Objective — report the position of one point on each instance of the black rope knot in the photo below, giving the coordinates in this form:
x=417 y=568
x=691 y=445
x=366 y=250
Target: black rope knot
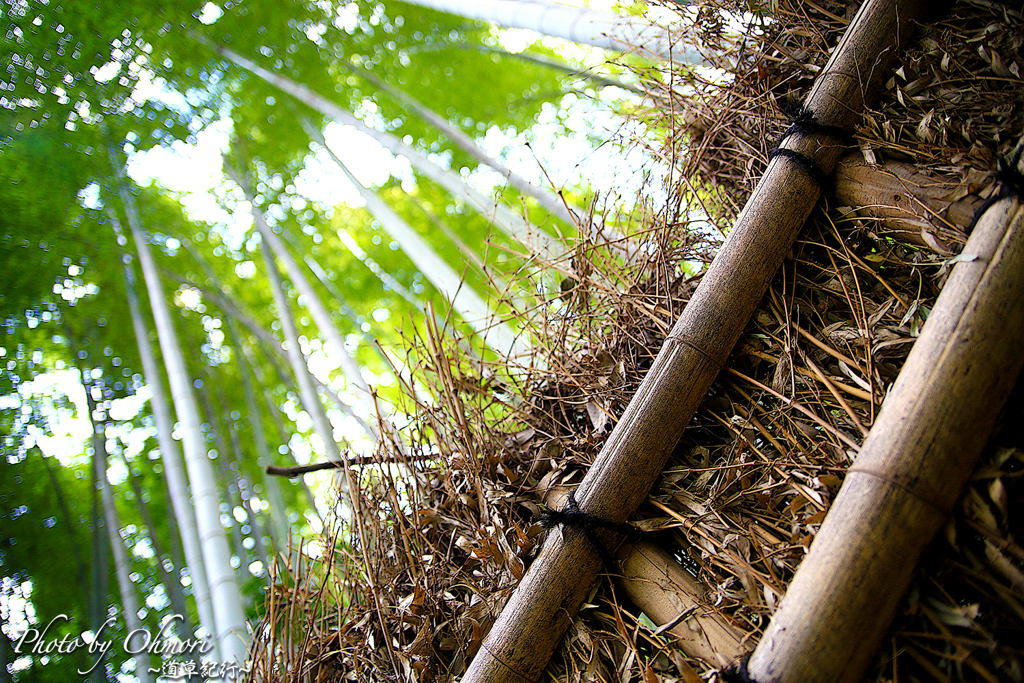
x=571 y=516
x=737 y=673
x=802 y=120
x=1011 y=184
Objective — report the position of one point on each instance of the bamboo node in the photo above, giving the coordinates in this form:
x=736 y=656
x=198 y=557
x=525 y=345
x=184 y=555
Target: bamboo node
x=683 y=339
x=493 y=655
x=942 y=510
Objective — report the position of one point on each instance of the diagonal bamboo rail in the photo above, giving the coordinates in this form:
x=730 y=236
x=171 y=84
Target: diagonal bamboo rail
x=532 y=623
x=910 y=470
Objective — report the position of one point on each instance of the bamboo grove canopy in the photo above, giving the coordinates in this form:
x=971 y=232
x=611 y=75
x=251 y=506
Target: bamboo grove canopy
x=267 y=322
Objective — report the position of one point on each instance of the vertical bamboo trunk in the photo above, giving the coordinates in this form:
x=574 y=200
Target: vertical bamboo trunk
x=494 y=211
x=122 y=567
x=226 y=478
x=231 y=634
x=551 y=202
x=580 y=25
x=283 y=437
x=270 y=344
x=307 y=391
x=69 y=526
x=170 y=456
x=169 y=578
x=244 y=490
x=537 y=615
x=100 y=566
x=911 y=469
x=321 y=316
x=278 y=512
x=470 y=306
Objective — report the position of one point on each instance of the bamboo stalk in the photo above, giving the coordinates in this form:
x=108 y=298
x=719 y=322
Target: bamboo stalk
x=672 y=598
x=910 y=470
x=537 y=615
x=676 y=602
x=912 y=207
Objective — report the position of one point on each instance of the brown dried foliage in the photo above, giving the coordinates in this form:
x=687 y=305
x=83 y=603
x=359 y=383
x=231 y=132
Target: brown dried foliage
x=412 y=584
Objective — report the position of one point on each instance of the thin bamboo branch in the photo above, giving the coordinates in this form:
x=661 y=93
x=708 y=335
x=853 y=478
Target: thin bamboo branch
x=356 y=460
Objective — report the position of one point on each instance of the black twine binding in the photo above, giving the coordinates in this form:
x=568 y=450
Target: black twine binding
x=802 y=120
x=737 y=673
x=571 y=516
x=806 y=163
x=1011 y=184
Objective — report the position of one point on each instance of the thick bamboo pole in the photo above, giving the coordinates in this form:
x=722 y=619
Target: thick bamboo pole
x=911 y=469
x=537 y=615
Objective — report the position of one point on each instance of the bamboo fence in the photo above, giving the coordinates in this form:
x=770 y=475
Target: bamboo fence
x=540 y=610
x=450 y=527
x=912 y=468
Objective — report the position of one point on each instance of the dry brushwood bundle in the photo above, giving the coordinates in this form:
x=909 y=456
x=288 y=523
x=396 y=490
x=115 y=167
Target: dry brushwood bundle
x=914 y=464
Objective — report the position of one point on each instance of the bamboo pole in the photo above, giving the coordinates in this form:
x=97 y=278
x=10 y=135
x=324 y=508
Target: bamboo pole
x=911 y=206
x=541 y=609
x=676 y=602
x=672 y=598
x=911 y=469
